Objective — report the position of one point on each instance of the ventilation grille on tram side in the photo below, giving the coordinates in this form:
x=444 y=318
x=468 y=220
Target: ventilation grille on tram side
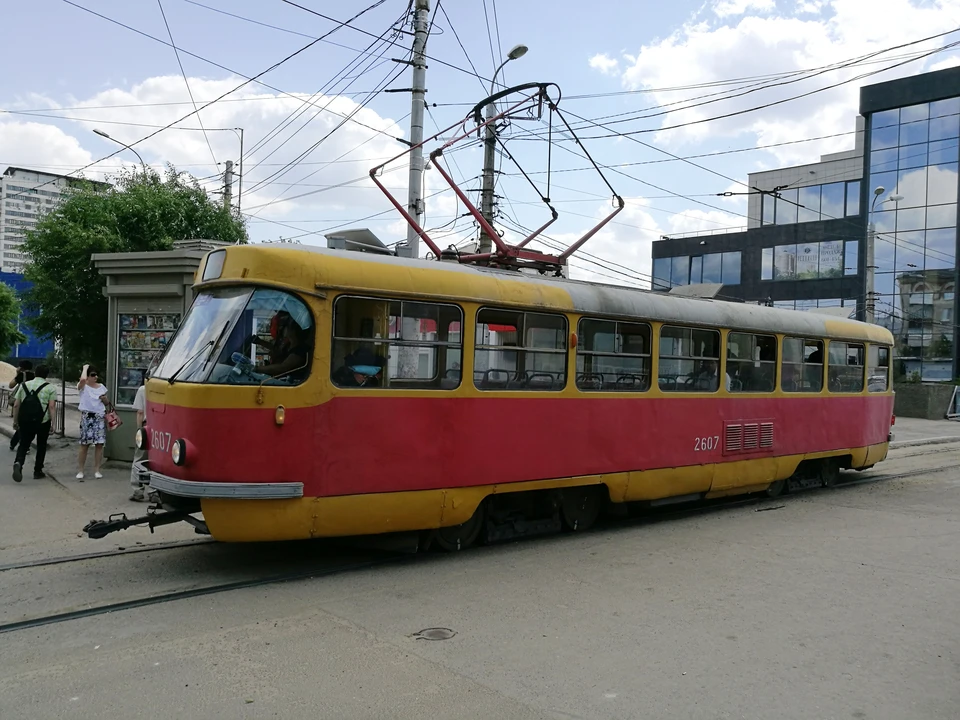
x=747 y=437
x=734 y=438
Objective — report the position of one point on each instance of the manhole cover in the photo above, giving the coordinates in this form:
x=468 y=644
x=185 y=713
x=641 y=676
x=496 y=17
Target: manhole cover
x=435 y=634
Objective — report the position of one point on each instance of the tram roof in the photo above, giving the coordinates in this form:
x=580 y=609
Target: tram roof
x=367 y=272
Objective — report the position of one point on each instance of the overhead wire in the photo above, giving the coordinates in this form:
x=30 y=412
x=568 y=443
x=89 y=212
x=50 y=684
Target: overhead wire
x=774 y=103
x=248 y=79
x=229 y=92
x=186 y=82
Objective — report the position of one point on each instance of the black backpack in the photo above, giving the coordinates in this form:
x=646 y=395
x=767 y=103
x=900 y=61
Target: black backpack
x=31 y=410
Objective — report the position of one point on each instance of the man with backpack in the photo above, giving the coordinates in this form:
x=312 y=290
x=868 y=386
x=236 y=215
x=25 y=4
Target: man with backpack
x=33 y=410
x=24 y=373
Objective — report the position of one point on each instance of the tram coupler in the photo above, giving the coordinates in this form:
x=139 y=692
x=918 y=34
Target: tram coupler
x=96 y=529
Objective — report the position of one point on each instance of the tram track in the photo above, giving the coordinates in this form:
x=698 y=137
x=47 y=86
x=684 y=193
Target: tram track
x=80 y=557
x=363 y=559
x=189 y=593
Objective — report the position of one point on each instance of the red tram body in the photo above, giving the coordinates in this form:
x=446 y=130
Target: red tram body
x=471 y=394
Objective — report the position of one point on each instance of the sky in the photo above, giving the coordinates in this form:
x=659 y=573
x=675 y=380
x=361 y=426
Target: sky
x=676 y=102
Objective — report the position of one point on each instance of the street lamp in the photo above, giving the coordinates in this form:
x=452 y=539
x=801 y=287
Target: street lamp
x=489 y=152
x=870 y=305
x=101 y=133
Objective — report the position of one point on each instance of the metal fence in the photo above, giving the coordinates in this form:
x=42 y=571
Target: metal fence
x=56 y=424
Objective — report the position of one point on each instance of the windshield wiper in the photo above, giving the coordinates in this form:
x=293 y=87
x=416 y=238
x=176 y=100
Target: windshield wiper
x=193 y=357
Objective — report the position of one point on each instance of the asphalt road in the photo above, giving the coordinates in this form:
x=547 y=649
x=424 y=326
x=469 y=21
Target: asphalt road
x=839 y=603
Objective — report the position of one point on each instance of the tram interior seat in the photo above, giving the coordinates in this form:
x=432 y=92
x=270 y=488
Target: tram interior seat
x=450 y=380
x=500 y=379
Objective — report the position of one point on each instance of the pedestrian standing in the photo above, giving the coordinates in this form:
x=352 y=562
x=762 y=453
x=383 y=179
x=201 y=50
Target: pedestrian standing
x=24 y=373
x=93 y=429
x=33 y=408
x=140 y=493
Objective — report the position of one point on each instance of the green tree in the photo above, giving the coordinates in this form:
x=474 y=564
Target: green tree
x=10 y=333
x=141 y=212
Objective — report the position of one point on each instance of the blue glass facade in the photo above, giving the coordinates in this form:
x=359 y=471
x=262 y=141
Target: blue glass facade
x=34 y=348
x=911 y=162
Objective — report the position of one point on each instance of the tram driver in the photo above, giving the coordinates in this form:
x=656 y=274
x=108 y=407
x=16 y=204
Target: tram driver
x=295 y=350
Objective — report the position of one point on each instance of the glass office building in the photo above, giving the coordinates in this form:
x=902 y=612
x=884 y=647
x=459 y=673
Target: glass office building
x=807 y=245
x=911 y=200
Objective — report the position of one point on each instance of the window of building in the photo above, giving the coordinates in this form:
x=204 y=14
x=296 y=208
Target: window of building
x=766 y=264
x=751 y=362
x=787 y=206
x=802 y=368
x=809 y=200
x=661 y=273
x=679 y=271
x=613 y=356
x=878 y=370
x=851 y=257
x=396 y=344
x=769 y=204
x=853 y=198
x=689 y=359
x=805 y=261
x=520 y=351
x=845 y=370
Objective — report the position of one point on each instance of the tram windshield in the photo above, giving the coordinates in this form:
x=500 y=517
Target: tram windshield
x=241 y=336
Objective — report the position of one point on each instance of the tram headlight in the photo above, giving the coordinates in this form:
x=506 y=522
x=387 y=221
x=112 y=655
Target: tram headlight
x=178 y=452
x=140 y=438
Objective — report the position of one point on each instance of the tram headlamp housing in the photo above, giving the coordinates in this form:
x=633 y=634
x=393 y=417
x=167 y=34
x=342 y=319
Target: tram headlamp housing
x=140 y=438
x=178 y=452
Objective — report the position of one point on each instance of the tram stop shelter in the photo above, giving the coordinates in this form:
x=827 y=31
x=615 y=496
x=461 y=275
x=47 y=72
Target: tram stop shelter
x=148 y=294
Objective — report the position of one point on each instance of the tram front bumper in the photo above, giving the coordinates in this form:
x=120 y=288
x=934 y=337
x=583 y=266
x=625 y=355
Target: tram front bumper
x=196 y=489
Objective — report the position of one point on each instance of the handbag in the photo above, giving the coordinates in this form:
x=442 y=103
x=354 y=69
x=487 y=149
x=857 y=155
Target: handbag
x=111 y=418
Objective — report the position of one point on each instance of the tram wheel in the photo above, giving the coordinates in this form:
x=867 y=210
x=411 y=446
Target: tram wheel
x=829 y=472
x=776 y=488
x=580 y=507
x=460 y=537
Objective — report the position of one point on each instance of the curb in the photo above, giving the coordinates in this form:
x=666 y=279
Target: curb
x=925 y=441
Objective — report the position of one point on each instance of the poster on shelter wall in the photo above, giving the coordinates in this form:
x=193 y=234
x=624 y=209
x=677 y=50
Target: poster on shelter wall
x=808 y=258
x=831 y=259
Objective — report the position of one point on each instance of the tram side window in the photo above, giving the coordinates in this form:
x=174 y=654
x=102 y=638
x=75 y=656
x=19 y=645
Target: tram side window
x=396 y=344
x=845 y=369
x=520 y=350
x=752 y=362
x=802 y=369
x=878 y=369
x=689 y=360
x=613 y=356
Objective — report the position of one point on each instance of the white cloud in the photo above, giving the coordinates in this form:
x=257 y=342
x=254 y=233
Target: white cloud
x=725 y=8
x=783 y=41
x=346 y=156
x=29 y=144
x=605 y=64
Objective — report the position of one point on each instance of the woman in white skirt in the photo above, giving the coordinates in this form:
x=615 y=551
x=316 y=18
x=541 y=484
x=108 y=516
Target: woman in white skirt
x=93 y=429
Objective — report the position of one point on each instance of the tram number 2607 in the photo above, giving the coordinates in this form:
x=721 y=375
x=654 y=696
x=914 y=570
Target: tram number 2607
x=710 y=442
x=160 y=441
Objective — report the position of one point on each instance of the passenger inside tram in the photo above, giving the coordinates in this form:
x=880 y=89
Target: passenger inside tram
x=361 y=368
x=709 y=379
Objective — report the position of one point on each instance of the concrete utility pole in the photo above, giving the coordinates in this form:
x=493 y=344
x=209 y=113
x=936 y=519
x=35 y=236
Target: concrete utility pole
x=228 y=185
x=421 y=25
x=490 y=153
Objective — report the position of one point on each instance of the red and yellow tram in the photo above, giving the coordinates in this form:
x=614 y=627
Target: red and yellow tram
x=435 y=396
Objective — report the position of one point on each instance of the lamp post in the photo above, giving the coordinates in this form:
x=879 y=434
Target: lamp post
x=490 y=151
x=101 y=133
x=870 y=304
